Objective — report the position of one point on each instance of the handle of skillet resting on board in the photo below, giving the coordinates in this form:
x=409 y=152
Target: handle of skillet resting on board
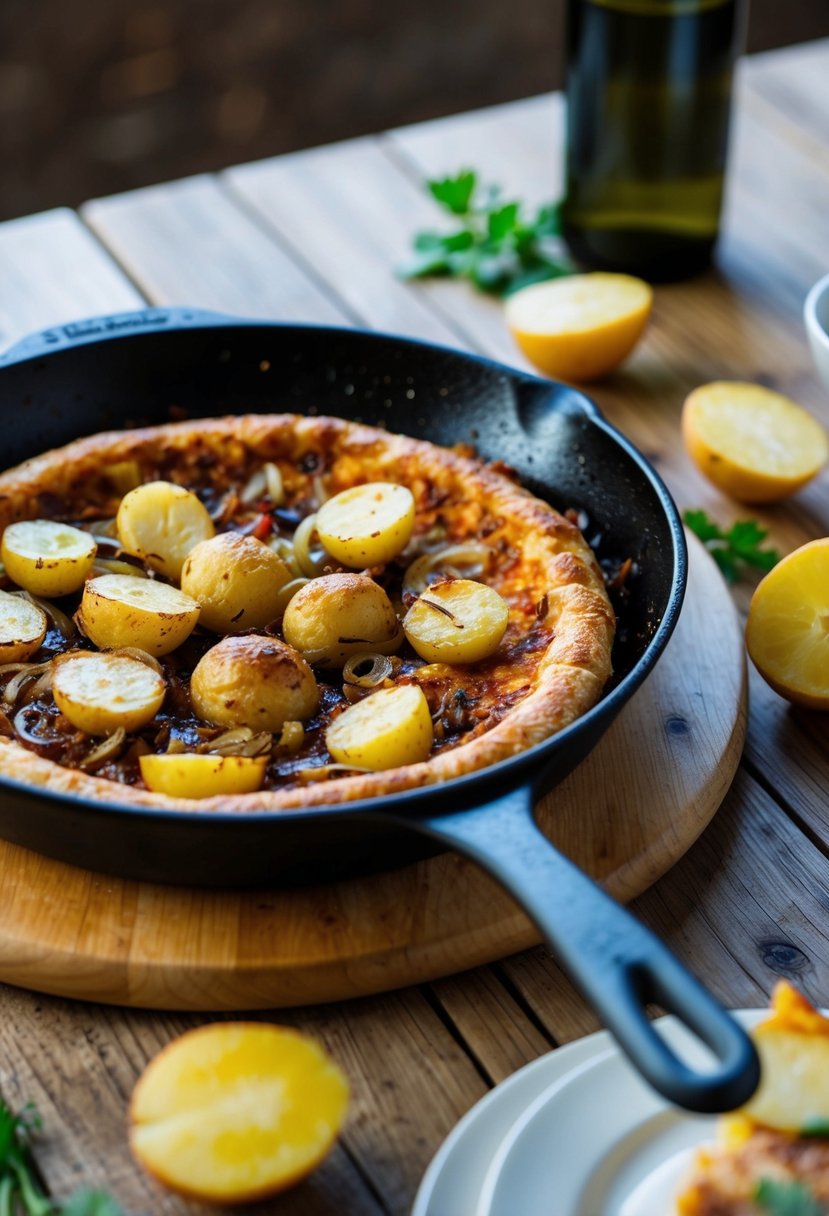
x=617 y=963
x=114 y=325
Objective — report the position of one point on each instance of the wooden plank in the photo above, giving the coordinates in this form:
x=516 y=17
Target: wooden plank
x=52 y=271
x=744 y=906
x=187 y=243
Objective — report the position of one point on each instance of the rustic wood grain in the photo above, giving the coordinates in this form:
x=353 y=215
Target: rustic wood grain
x=52 y=271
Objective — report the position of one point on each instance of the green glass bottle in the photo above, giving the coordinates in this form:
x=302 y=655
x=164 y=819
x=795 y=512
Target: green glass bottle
x=648 y=96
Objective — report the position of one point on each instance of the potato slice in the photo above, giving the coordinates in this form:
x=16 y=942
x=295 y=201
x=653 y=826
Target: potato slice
x=338 y=615
x=367 y=525
x=99 y=693
x=120 y=610
x=232 y=1112
x=22 y=628
x=192 y=776
x=47 y=558
x=161 y=522
x=237 y=580
x=253 y=681
x=389 y=728
x=793 y=1094
x=457 y=622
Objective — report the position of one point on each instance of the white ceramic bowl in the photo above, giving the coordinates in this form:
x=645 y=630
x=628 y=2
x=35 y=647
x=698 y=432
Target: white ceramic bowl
x=816 y=316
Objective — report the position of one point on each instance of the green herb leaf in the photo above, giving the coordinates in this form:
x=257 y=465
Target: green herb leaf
x=818 y=1128
x=455 y=193
x=90 y=1203
x=736 y=548
x=496 y=248
x=786 y=1199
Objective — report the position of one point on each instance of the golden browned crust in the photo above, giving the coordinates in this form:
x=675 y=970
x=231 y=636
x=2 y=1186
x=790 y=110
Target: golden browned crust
x=554 y=566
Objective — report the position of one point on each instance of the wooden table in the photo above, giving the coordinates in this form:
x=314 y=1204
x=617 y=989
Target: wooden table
x=314 y=237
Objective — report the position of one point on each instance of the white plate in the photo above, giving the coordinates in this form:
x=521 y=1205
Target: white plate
x=453 y=1181
x=598 y=1142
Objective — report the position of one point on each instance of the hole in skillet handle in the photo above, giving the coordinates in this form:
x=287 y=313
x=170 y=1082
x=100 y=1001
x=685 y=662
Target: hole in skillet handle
x=618 y=964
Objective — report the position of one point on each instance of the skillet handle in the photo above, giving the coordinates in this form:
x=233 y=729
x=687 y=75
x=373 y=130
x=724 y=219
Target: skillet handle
x=618 y=964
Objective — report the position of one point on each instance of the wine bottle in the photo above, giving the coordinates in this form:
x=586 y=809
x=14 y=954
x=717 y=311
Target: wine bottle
x=648 y=96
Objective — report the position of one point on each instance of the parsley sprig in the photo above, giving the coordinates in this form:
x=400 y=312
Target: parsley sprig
x=493 y=244
x=20 y=1192
x=786 y=1199
x=735 y=549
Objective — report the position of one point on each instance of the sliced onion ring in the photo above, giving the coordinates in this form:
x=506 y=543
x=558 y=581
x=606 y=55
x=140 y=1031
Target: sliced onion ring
x=107 y=750
x=379 y=669
x=471 y=559
x=310 y=564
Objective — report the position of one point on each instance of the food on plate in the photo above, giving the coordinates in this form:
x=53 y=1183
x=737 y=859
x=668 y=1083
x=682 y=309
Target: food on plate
x=256 y=681
x=390 y=728
x=23 y=628
x=455 y=621
x=123 y=610
x=103 y=693
x=582 y=326
x=47 y=558
x=787 y=633
x=237 y=581
x=338 y=615
x=367 y=525
x=776 y=1148
x=753 y=443
x=161 y=523
x=189 y=775
x=236 y=1111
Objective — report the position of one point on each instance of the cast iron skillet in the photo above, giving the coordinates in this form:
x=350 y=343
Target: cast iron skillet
x=154 y=365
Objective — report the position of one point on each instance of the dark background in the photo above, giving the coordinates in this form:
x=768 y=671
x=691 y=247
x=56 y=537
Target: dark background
x=99 y=96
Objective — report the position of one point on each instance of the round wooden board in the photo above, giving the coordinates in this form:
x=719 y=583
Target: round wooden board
x=626 y=815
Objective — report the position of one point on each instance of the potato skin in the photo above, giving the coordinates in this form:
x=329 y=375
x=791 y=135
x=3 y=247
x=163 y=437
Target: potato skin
x=202 y=776
x=253 y=681
x=121 y=611
x=237 y=581
x=337 y=614
x=33 y=560
x=22 y=628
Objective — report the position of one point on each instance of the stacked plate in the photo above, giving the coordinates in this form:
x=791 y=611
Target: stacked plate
x=576 y=1133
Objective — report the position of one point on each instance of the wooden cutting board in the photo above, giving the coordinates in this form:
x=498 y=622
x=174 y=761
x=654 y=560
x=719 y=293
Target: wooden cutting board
x=626 y=815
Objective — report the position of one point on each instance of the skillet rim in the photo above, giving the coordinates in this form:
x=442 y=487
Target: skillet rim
x=525 y=767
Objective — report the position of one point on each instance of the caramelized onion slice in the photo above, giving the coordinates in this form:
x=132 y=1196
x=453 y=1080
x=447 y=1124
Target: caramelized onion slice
x=367 y=670
x=468 y=560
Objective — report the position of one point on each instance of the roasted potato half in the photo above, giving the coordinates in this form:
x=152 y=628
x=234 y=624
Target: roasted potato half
x=99 y=693
x=389 y=728
x=47 y=558
x=120 y=610
x=237 y=580
x=161 y=523
x=253 y=681
x=457 y=622
x=22 y=628
x=338 y=615
x=195 y=776
x=367 y=525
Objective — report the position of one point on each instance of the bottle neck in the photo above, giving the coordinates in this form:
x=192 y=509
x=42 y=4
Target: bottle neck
x=661 y=8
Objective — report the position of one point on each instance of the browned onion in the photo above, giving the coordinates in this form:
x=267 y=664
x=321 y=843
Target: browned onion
x=379 y=669
x=292 y=736
x=25 y=672
x=469 y=560
x=107 y=750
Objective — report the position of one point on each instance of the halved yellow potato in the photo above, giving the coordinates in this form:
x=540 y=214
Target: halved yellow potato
x=389 y=728
x=232 y=1112
x=237 y=580
x=161 y=522
x=195 y=776
x=338 y=615
x=47 y=558
x=22 y=628
x=99 y=693
x=367 y=525
x=457 y=622
x=253 y=681
x=121 y=610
